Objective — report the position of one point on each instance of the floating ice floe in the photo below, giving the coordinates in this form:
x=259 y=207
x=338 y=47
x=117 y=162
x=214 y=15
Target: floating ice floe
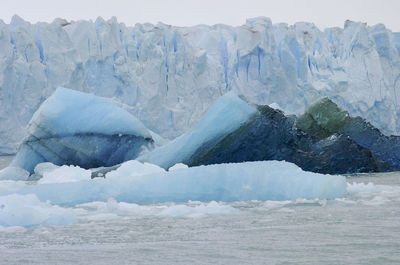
x=135 y=182
x=28 y=210
x=137 y=189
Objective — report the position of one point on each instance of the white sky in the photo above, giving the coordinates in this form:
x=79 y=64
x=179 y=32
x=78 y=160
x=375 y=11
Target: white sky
x=324 y=13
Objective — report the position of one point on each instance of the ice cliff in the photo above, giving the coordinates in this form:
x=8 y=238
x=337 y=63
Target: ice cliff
x=169 y=76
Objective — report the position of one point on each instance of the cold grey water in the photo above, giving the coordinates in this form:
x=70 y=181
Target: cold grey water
x=361 y=228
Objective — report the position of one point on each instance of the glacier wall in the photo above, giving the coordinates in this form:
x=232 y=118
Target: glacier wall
x=168 y=76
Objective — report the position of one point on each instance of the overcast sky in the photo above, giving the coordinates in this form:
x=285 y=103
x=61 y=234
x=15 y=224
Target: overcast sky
x=324 y=13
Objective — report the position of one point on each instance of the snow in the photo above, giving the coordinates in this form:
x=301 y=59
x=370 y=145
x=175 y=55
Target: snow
x=135 y=182
x=72 y=127
x=227 y=114
x=169 y=76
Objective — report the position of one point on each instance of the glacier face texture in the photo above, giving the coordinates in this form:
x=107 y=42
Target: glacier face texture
x=77 y=128
x=168 y=76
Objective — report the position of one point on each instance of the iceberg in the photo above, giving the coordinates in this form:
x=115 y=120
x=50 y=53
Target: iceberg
x=169 y=76
x=273 y=136
x=324 y=119
x=226 y=115
x=75 y=128
x=235 y=131
x=135 y=182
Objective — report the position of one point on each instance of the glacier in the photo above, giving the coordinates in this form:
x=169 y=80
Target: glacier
x=168 y=76
x=77 y=128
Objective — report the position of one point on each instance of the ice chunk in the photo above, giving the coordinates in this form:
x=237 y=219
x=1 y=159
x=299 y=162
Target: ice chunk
x=65 y=174
x=27 y=210
x=72 y=127
x=266 y=180
x=42 y=168
x=227 y=114
x=13 y=173
x=178 y=166
x=135 y=168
